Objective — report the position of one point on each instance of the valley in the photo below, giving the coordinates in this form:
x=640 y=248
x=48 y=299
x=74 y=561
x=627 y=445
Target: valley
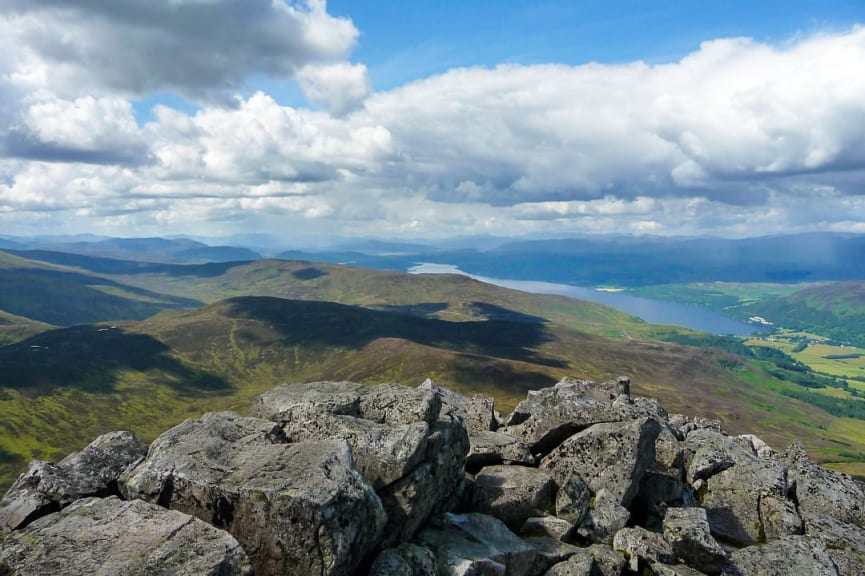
x=225 y=332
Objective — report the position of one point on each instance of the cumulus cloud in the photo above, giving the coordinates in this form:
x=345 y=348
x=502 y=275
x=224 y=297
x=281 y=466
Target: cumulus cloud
x=204 y=49
x=736 y=138
x=340 y=88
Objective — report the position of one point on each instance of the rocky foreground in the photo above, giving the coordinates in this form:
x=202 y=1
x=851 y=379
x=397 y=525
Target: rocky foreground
x=338 y=478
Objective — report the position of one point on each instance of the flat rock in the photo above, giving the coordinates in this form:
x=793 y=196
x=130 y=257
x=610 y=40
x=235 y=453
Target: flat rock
x=109 y=536
x=491 y=448
x=300 y=507
x=513 y=494
x=384 y=403
x=799 y=555
x=47 y=487
x=383 y=452
x=466 y=544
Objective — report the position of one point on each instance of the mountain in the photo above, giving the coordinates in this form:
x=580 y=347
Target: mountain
x=63 y=386
x=63 y=296
x=835 y=310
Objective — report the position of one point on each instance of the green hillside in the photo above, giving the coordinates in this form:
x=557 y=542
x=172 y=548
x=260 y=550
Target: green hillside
x=64 y=386
x=835 y=310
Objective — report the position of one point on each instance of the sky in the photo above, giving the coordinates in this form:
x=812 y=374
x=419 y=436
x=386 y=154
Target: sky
x=430 y=120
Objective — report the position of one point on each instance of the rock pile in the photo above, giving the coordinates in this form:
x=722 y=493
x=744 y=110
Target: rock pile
x=338 y=478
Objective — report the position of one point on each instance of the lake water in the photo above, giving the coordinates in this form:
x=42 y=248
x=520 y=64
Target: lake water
x=652 y=311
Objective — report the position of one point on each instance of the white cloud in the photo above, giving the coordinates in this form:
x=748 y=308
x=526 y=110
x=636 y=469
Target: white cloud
x=340 y=88
x=736 y=138
x=205 y=50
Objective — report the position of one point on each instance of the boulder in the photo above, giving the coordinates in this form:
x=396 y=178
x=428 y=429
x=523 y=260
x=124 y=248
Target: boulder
x=300 y=507
x=580 y=564
x=708 y=453
x=477 y=411
x=687 y=531
x=572 y=499
x=513 y=494
x=550 y=415
x=549 y=552
x=432 y=487
x=547 y=526
x=613 y=456
x=824 y=492
x=384 y=403
x=662 y=484
x=608 y=562
x=799 y=555
x=491 y=448
x=778 y=517
x=383 y=452
x=603 y=519
x=109 y=536
x=405 y=560
x=47 y=487
x=469 y=544
x=837 y=535
x=642 y=548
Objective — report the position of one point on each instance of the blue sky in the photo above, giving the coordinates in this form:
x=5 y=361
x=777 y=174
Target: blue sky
x=402 y=41
x=431 y=119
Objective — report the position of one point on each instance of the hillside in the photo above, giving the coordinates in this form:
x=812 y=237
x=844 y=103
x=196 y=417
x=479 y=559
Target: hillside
x=835 y=310
x=63 y=386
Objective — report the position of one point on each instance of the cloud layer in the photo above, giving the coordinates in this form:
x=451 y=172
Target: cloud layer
x=736 y=138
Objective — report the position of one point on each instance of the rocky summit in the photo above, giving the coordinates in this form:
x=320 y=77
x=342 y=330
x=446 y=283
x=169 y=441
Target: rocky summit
x=339 y=478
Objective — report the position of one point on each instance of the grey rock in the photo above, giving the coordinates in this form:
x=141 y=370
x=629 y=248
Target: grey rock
x=46 y=487
x=513 y=494
x=491 y=448
x=604 y=518
x=383 y=452
x=684 y=425
x=799 y=555
x=836 y=534
x=612 y=456
x=384 y=403
x=432 y=487
x=547 y=526
x=109 y=536
x=467 y=544
x=824 y=492
x=662 y=484
x=687 y=531
x=301 y=507
x=549 y=552
x=674 y=570
x=758 y=448
x=608 y=562
x=778 y=517
x=638 y=544
x=580 y=564
x=338 y=398
x=477 y=411
x=708 y=453
x=572 y=499
x=550 y=415
x=732 y=499
x=405 y=560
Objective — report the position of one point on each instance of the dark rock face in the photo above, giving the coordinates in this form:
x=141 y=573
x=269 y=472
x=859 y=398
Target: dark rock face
x=133 y=538
x=47 y=487
x=341 y=478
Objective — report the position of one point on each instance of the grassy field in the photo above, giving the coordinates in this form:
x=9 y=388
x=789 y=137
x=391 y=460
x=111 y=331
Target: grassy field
x=718 y=295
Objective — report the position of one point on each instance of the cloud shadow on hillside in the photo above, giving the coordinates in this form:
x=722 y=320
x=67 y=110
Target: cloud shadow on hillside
x=330 y=324
x=90 y=358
